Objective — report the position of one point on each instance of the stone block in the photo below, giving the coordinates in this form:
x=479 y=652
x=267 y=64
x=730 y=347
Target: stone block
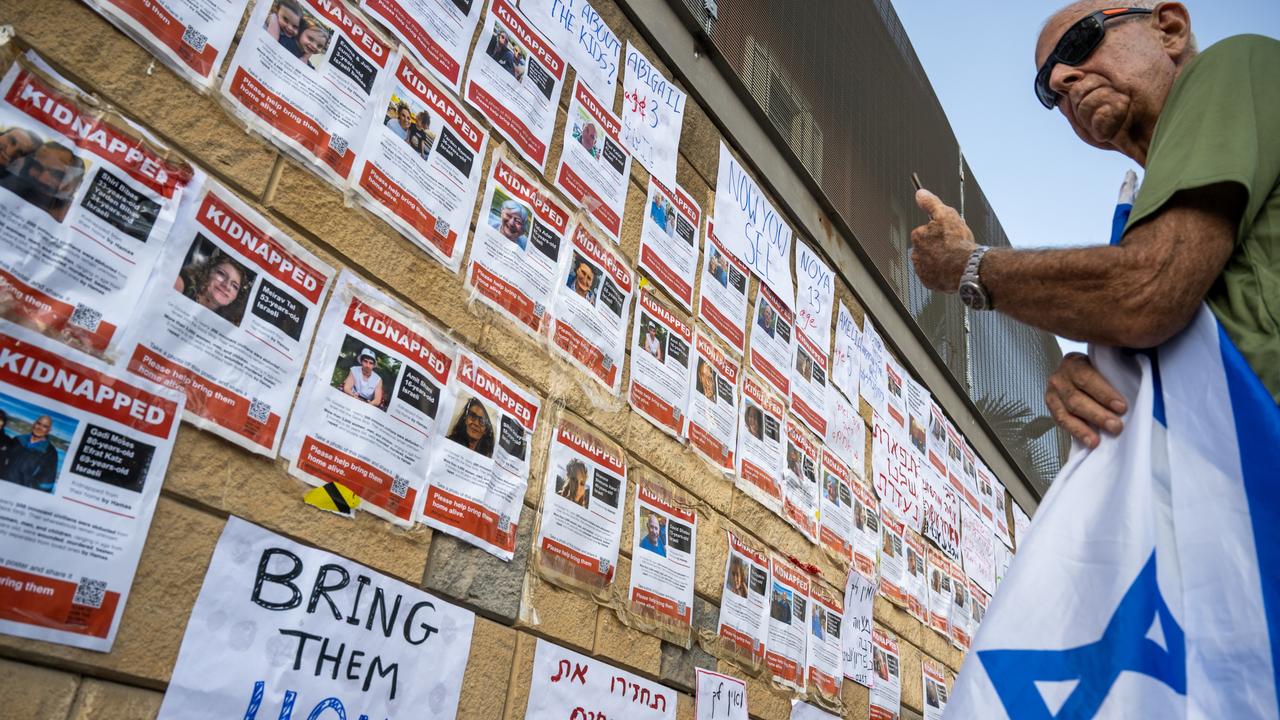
x=684 y=707
x=856 y=699
x=678 y=664
x=910 y=661
x=493 y=648
x=711 y=556
x=521 y=677
x=764 y=702
x=676 y=461
x=102 y=699
x=566 y=617
x=940 y=648
x=32 y=691
x=468 y=575
x=899 y=621
x=626 y=647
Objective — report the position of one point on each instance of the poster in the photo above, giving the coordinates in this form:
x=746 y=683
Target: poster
x=583 y=37
x=567 y=684
x=760 y=443
x=895 y=473
x=886 y=687
x=977 y=549
x=919 y=402
x=661 y=347
x=369 y=410
x=594 y=166
x=824 y=662
x=1001 y=513
x=718 y=697
x=935 y=689
x=190 y=37
x=845 y=357
x=959 y=617
x=771 y=340
x=583 y=499
x=662 y=556
x=895 y=398
x=669 y=241
x=800 y=480
x=311 y=93
x=744 y=605
x=940 y=512
x=835 y=509
x=872 y=386
x=515 y=256
x=420 y=162
x=917 y=593
x=805 y=711
x=515 y=81
x=88 y=451
x=979 y=600
x=893 y=560
x=809 y=385
x=785 y=645
x=1004 y=557
x=652 y=116
x=987 y=492
x=255 y=641
x=939 y=589
x=751 y=228
x=722 y=298
x=866 y=531
x=227 y=318
x=1021 y=525
x=480 y=466
x=846 y=433
x=590 y=307
x=936 y=440
x=437 y=32
x=969 y=475
x=956 y=475
x=712 y=416
x=815 y=292
x=859 y=598
x=94 y=196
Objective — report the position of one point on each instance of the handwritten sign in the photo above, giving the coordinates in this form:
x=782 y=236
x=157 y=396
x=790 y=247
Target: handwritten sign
x=940 y=508
x=652 y=116
x=751 y=228
x=872 y=385
x=1021 y=525
x=570 y=686
x=719 y=697
x=815 y=293
x=846 y=359
x=859 y=596
x=895 y=472
x=846 y=433
x=362 y=645
x=977 y=545
x=588 y=42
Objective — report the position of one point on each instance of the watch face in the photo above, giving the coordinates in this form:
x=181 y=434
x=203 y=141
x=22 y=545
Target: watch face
x=973 y=296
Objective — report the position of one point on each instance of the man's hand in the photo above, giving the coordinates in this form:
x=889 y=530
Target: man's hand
x=940 y=249
x=1082 y=401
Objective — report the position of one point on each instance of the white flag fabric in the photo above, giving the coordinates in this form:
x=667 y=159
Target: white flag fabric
x=1150 y=584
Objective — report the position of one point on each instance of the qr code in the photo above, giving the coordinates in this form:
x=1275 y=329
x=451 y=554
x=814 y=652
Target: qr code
x=538 y=309
x=194 y=38
x=680 y=607
x=89 y=593
x=442 y=227
x=504 y=524
x=605 y=566
x=400 y=486
x=606 y=362
x=86 y=318
x=259 y=410
x=338 y=145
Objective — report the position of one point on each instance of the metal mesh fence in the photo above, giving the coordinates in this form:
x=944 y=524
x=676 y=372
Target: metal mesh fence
x=841 y=85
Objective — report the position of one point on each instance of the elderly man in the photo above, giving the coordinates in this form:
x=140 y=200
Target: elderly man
x=1205 y=225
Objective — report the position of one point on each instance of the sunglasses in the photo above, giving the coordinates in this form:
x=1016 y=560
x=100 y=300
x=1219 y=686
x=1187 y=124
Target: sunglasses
x=1076 y=45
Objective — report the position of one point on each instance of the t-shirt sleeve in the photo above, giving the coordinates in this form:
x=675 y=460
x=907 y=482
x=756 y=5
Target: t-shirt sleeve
x=1219 y=125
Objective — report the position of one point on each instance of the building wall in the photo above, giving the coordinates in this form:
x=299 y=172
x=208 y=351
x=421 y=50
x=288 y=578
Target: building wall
x=209 y=479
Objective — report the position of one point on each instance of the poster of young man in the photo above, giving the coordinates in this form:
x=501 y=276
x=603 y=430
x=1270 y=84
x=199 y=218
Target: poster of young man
x=662 y=557
x=761 y=450
x=189 y=36
x=769 y=352
x=583 y=497
x=956 y=475
x=917 y=593
x=515 y=256
x=786 y=644
x=872 y=385
x=712 y=416
x=809 y=385
x=845 y=357
x=893 y=559
x=420 y=162
x=303 y=76
x=800 y=480
x=375 y=647
x=369 y=408
x=959 y=617
x=594 y=166
x=979 y=600
x=846 y=432
x=86 y=449
x=652 y=115
x=661 y=351
x=563 y=681
x=1001 y=513
x=718 y=697
x=824 y=664
x=722 y=298
x=936 y=440
x=227 y=318
x=835 y=508
x=918 y=403
x=866 y=531
x=859 y=599
x=86 y=204
x=940 y=512
x=969 y=475
x=590 y=307
x=896 y=394
x=986 y=490
x=515 y=81
x=935 y=689
x=669 y=241
x=744 y=605
x=480 y=464
x=938 y=567
x=895 y=472
x=886 y=686
x=437 y=33
x=588 y=43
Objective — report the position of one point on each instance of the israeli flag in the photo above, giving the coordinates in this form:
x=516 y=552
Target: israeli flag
x=1149 y=583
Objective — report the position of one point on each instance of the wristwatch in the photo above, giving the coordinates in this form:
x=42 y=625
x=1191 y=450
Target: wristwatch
x=972 y=292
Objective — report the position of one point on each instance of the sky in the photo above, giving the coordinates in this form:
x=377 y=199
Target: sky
x=1048 y=188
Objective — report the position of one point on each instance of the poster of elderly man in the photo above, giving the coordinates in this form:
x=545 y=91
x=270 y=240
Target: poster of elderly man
x=33 y=443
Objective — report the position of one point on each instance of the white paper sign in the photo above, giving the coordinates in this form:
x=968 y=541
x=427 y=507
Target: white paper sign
x=846 y=433
x=977 y=547
x=582 y=36
x=1021 y=524
x=805 y=711
x=722 y=294
x=871 y=375
x=669 y=241
x=940 y=511
x=590 y=307
x=859 y=597
x=751 y=228
x=845 y=358
x=719 y=697
x=895 y=472
x=437 y=32
x=373 y=646
x=567 y=685
x=886 y=689
x=652 y=116
x=661 y=348
x=935 y=689
x=744 y=610
x=594 y=166
x=815 y=293
x=190 y=36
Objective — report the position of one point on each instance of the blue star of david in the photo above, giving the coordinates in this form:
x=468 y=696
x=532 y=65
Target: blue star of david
x=1123 y=647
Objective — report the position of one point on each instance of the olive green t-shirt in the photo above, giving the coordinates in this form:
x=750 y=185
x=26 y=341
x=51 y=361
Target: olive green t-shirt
x=1221 y=123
